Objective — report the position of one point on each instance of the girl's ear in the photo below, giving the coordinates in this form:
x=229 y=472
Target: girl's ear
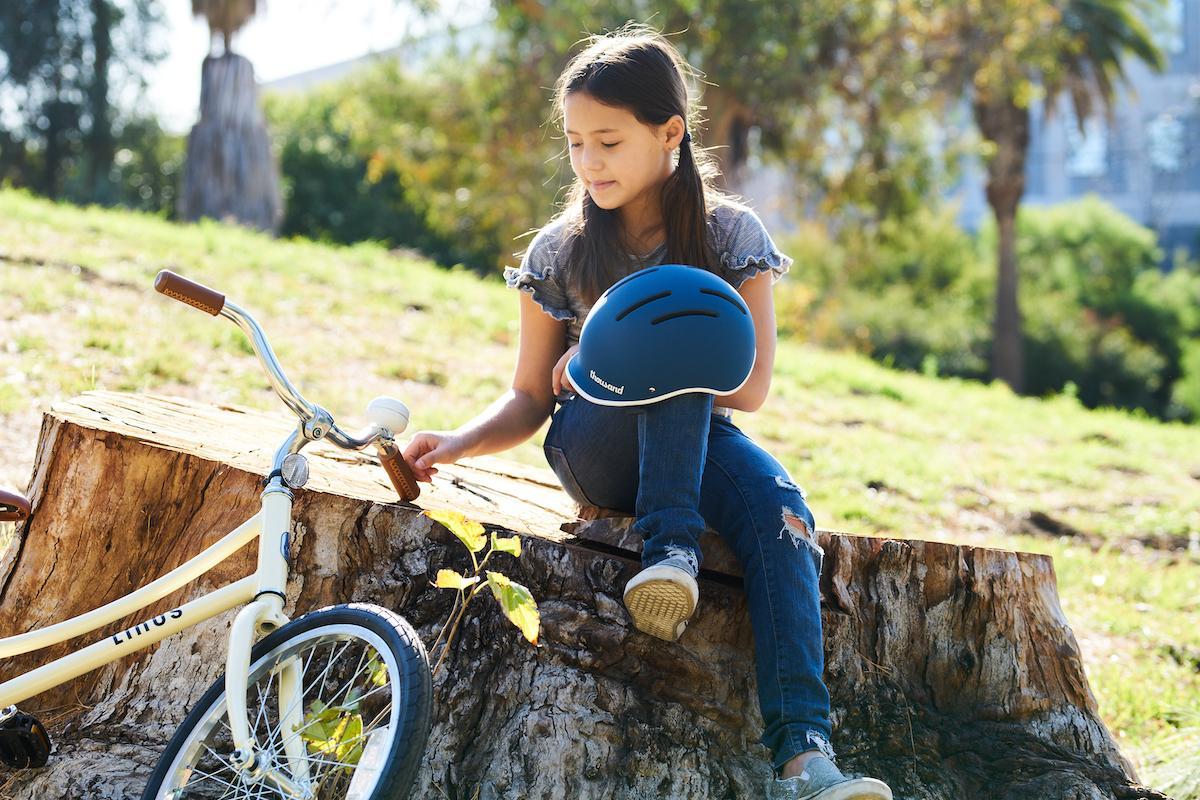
x=672 y=132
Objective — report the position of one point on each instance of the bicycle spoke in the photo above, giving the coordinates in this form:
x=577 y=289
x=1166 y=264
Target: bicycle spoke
x=262 y=704
x=386 y=710
x=345 y=691
x=367 y=728
x=208 y=776
x=276 y=730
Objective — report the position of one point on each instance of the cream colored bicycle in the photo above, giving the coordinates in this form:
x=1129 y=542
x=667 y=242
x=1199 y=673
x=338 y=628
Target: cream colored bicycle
x=334 y=704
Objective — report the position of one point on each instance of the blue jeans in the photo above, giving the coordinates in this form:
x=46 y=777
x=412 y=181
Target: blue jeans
x=679 y=466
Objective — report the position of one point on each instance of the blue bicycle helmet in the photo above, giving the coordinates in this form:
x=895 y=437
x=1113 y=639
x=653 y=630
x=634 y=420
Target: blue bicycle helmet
x=660 y=332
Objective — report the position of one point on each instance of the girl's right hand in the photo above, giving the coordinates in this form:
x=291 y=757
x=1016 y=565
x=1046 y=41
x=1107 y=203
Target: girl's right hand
x=427 y=448
x=559 y=379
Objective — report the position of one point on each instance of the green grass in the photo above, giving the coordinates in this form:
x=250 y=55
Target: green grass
x=879 y=452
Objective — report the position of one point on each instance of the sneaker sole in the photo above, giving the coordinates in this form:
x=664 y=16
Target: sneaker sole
x=660 y=608
x=855 y=789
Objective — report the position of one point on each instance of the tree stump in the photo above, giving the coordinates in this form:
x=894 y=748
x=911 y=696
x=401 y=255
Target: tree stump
x=230 y=172
x=952 y=670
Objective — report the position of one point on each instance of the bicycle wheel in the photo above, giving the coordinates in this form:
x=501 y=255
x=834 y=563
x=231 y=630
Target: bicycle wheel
x=364 y=717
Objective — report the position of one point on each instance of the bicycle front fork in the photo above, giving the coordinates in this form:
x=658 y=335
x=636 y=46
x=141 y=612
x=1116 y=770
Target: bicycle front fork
x=260 y=617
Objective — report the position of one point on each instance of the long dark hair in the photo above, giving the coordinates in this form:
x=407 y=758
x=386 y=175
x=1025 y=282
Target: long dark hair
x=637 y=69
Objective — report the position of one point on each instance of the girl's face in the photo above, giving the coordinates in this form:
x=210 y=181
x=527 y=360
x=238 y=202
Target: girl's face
x=621 y=161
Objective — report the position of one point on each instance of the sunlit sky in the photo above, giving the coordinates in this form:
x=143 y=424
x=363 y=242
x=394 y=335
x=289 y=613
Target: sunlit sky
x=286 y=37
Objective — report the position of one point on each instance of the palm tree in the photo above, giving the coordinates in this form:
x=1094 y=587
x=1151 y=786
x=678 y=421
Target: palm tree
x=225 y=17
x=1076 y=47
x=230 y=172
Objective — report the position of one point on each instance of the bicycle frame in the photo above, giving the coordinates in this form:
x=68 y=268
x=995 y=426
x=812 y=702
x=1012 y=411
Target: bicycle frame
x=262 y=594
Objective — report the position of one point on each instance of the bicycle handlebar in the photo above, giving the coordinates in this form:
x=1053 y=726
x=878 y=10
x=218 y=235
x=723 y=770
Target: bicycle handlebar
x=317 y=423
x=14 y=507
x=194 y=294
x=399 y=473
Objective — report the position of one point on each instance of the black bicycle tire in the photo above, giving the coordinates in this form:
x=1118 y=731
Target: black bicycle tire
x=408 y=747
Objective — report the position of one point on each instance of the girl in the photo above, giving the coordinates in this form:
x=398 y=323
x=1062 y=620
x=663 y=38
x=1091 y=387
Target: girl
x=642 y=197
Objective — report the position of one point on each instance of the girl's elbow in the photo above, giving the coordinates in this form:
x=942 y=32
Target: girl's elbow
x=749 y=398
x=754 y=403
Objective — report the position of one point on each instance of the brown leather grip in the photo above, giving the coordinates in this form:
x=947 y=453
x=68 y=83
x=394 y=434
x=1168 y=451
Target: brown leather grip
x=13 y=507
x=190 y=292
x=401 y=475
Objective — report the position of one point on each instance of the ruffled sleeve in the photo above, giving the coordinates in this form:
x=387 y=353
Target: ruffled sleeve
x=541 y=274
x=747 y=249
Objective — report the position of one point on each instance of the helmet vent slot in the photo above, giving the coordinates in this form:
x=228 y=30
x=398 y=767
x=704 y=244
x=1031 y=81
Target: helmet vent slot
x=726 y=298
x=628 y=278
x=641 y=303
x=678 y=314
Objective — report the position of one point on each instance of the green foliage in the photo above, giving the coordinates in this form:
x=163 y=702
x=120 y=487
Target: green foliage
x=837 y=91
x=461 y=159
x=63 y=63
x=913 y=295
x=434 y=161
x=145 y=171
x=335 y=731
x=1185 y=394
x=329 y=192
x=516 y=601
x=1099 y=311
x=1100 y=317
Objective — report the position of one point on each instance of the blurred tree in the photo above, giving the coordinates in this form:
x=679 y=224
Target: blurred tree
x=229 y=172
x=471 y=133
x=225 y=17
x=786 y=73
x=58 y=59
x=332 y=183
x=1003 y=54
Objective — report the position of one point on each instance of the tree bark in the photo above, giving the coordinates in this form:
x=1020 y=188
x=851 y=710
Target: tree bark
x=230 y=172
x=952 y=670
x=1006 y=125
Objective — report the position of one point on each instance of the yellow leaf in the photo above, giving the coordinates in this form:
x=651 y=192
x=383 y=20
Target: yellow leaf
x=517 y=604
x=468 y=531
x=511 y=544
x=449 y=579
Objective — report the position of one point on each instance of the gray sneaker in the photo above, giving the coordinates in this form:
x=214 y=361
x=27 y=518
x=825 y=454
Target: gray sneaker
x=822 y=780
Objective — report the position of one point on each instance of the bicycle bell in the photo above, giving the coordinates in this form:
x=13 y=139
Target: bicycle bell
x=389 y=413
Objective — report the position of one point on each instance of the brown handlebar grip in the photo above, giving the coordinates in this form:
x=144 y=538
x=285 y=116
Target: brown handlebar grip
x=400 y=473
x=194 y=294
x=13 y=507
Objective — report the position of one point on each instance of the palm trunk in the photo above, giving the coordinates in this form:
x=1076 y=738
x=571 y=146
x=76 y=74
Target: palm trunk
x=1006 y=125
x=230 y=172
x=1008 y=362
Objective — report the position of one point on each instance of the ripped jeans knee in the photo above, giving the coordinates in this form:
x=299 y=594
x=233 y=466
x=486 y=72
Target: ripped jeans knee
x=798 y=525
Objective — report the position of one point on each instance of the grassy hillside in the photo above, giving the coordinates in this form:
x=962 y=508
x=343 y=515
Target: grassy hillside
x=1112 y=497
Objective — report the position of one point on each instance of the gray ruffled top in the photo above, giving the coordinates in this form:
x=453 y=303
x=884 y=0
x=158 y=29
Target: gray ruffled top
x=743 y=247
